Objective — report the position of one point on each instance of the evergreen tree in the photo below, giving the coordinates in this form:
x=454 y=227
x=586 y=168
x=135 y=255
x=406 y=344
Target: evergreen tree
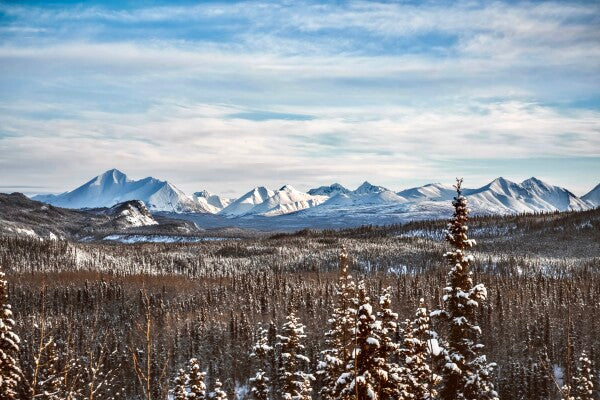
x=339 y=338
x=259 y=386
x=418 y=346
x=196 y=381
x=219 y=393
x=180 y=381
x=389 y=385
x=295 y=383
x=10 y=373
x=466 y=372
x=261 y=352
x=584 y=380
x=360 y=379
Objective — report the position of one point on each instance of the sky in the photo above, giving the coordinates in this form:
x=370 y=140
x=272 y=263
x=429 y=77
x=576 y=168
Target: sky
x=225 y=96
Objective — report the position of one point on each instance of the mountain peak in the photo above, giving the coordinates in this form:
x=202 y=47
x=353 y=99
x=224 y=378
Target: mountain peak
x=367 y=187
x=112 y=175
x=430 y=191
x=501 y=184
x=535 y=182
x=501 y=180
x=593 y=197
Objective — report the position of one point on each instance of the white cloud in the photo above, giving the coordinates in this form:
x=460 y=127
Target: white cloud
x=197 y=146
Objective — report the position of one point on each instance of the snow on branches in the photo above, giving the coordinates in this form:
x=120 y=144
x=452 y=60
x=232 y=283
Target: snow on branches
x=10 y=373
x=466 y=373
x=295 y=383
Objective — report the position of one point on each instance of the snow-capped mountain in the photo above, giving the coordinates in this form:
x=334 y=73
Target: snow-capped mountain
x=114 y=187
x=286 y=200
x=374 y=204
x=593 y=197
x=502 y=196
x=432 y=191
x=212 y=202
x=367 y=188
x=329 y=191
x=364 y=198
x=245 y=203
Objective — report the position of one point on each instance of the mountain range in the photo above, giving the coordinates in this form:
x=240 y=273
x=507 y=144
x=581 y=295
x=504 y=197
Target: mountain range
x=501 y=196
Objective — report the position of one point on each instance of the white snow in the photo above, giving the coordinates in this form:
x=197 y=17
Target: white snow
x=113 y=187
x=160 y=239
x=245 y=203
x=286 y=200
x=593 y=197
x=434 y=347
x=212 y=202
x=328 y=191
x=27 y=232
x=261 y=201
x=133 y=216
x=432 y=191
x=367 y=202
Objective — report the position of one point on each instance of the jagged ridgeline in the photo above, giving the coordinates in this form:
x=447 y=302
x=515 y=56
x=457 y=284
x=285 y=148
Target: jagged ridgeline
x=504 y=309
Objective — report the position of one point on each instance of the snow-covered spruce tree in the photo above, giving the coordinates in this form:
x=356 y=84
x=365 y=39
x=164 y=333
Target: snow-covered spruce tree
x=259 y=384
x=359 y=381
x=389 y=384
x=466 y=374
x=197 y=386
x=295 y=383
x=180 y=389
x=583 y=382
x=339 y=340
x=418 y=375
x=218 y=393
x=10 y=373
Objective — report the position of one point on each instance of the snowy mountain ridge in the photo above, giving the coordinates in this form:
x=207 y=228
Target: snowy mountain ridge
x=593 y=196
x=113 y=187
x=500 y=196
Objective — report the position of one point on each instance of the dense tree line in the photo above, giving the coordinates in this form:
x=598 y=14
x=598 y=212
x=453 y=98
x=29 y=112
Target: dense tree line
x=214 y=319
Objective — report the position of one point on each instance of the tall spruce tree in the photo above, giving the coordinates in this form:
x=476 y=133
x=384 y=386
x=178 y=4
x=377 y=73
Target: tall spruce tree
x=339 y=338
x=180 y=382
x=10 y=373
x=197 y=386
x=389 y=384
x=295 y=383
x=259 y=384
x=359 y=381
x=466 y=372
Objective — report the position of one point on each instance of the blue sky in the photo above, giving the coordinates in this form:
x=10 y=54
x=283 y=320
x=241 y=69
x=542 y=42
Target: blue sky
x=228 y=95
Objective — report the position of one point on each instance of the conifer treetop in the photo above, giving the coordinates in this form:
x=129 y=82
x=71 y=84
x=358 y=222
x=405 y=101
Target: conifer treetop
x=467 y=375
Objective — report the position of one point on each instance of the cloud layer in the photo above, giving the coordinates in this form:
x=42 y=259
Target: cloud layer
x=225 y=96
